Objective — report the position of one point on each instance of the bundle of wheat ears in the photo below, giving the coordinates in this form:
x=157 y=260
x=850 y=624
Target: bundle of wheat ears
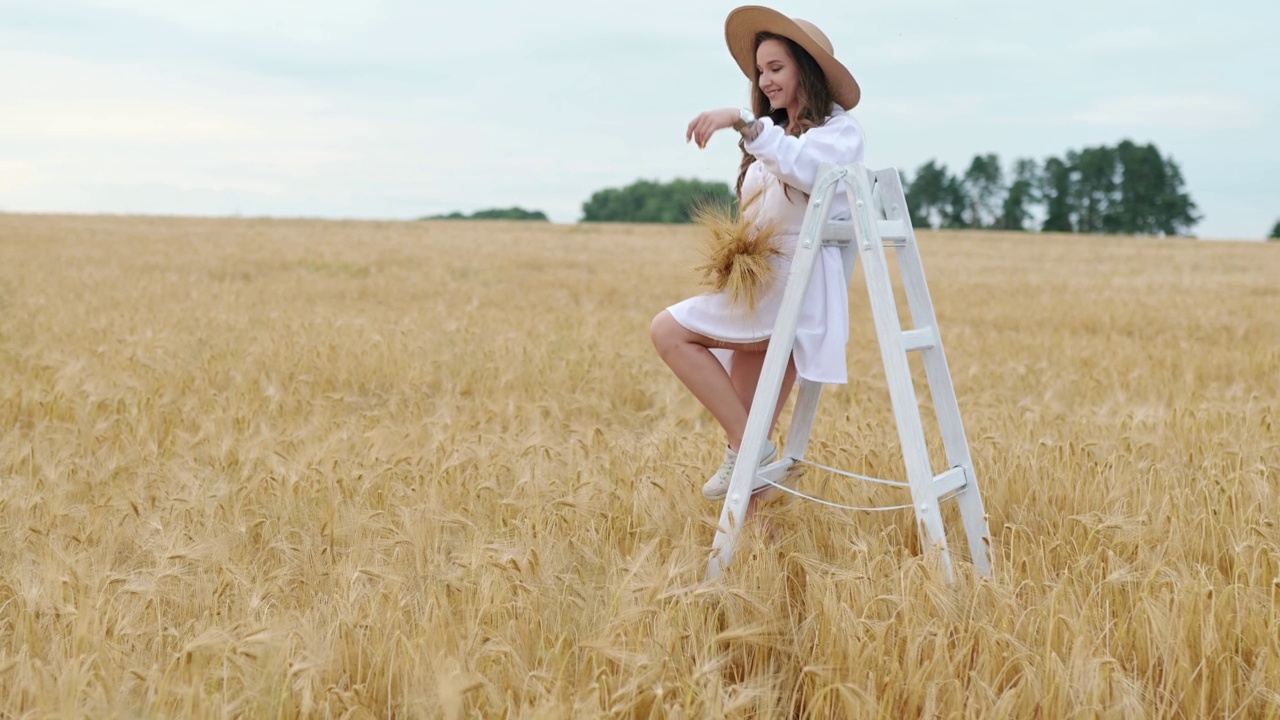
x=737 y=252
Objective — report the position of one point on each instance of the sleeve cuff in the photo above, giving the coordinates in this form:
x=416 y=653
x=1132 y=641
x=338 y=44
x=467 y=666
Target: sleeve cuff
x=766 y=126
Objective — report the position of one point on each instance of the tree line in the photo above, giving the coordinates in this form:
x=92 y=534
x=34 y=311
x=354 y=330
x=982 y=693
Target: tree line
x=646 y=201
x=512 y=213
x=1128 y=189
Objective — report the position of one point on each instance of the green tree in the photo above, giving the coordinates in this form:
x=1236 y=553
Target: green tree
x=1055 y=189
x=927 y=195
x=1095 y=190
x=956 y=213
x=654 y=202
x=1141 y=182
x=1128 y=189
x=983 y=187
x=1275 y=231
x=511 y=213
x=1175 y=211
x=1151 y=196
x=1022 y=192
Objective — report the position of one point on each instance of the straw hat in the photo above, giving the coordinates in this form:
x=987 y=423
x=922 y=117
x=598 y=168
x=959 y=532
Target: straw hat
x=743 y=24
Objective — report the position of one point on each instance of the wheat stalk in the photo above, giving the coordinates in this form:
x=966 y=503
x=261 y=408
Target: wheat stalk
x=738 y=253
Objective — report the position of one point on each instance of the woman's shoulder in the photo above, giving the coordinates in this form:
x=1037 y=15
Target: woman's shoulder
x=840 y=120
x=841 y=135
x=840 y=128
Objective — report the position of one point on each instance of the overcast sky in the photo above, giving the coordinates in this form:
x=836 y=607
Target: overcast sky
x=398 y=109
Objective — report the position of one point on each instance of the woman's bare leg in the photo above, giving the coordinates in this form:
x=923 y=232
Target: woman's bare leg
x=688 y=354
x=727 y=396
x=744 y=373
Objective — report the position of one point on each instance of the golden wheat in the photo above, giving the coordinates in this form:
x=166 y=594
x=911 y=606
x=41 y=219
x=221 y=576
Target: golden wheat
x=738 y=254
x=284 y=468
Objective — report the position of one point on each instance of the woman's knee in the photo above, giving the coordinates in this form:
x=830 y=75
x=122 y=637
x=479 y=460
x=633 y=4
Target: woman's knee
x=665 y=332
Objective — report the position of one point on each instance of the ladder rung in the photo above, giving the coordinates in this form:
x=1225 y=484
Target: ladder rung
x=953 y=479
x=840 y=232
x=778 y=471
x=919 y=339
x=892 y=231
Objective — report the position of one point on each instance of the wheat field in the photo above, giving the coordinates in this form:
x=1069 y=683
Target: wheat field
x=254 y=468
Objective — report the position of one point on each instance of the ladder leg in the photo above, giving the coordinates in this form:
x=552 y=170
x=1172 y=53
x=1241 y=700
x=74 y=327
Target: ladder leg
x=969 y=499
x=734 y=512
x=906 y=410
x=956 y=445
x=776 y=358
x=802 y=419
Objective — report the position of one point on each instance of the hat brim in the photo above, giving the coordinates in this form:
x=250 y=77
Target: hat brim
x=745 y=23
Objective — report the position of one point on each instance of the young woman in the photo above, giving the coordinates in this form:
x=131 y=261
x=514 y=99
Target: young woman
x=798 y=122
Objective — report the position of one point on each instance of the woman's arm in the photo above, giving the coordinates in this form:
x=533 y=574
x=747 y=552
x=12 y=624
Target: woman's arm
x=796 y=160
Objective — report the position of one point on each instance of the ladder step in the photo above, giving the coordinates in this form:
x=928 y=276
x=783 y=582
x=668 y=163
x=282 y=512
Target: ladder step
x=837 y=232
x=840 y=232
x=953 y=479
x=919 y=339
x=778 y=471
x=892 y=231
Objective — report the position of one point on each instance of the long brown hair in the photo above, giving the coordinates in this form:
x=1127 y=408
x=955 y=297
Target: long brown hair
x=814 y=100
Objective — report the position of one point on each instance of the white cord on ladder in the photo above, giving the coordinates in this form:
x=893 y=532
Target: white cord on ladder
x=828 y=503
x=845 y=473
x=837 y=506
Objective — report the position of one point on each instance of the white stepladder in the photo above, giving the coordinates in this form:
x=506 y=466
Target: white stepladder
x=880 y=218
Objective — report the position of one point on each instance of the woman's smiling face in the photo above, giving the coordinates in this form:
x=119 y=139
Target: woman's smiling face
x=779 y=74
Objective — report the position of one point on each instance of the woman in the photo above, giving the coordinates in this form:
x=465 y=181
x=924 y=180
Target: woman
x=801 y=95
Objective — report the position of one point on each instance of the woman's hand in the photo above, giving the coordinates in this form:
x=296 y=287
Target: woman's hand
x=703 y=126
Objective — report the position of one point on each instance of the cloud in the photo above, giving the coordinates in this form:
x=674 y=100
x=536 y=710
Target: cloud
x=313 y=21
x=77 y=129
x=13 y=174
x=154 y=122
x=129 y=107
x=1192 y=110
x=933 y=48
x=132 y=137
x=1119 y=41
x=927 y=50
x=927 y=110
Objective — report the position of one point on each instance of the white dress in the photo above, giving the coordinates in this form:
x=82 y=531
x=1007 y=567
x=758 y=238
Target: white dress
x=823 y=330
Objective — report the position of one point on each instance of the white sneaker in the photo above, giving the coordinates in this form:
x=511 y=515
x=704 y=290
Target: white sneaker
x=718 y=486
